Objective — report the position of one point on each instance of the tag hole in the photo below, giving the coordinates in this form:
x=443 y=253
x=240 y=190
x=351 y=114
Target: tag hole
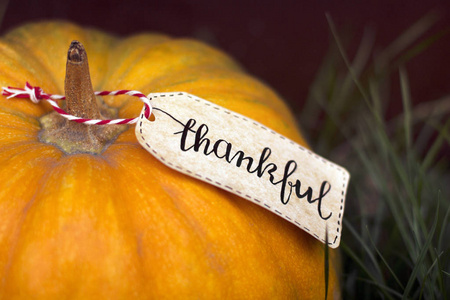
x=152 y=118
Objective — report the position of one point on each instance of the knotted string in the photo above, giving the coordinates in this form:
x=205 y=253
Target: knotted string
x=36 y=94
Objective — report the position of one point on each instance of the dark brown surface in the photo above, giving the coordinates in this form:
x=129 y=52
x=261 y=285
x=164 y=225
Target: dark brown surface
x=281 y=42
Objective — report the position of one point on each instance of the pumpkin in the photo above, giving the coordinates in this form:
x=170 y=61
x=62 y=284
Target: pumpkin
x=118 y=224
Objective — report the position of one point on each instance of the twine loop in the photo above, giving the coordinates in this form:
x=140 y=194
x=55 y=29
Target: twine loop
x=36 y=94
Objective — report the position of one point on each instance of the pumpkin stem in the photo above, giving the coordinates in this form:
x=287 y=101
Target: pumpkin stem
x=80 y=98
x=81 y=101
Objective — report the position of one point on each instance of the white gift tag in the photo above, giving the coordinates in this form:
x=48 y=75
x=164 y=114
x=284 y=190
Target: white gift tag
x=237 y=154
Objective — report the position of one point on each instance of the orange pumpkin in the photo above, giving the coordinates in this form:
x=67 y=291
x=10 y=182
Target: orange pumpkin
x=120 y=224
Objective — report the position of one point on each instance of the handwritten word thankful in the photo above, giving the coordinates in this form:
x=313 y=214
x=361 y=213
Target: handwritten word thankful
x=197 y=140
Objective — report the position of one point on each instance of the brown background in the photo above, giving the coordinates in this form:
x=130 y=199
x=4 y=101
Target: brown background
x=281 y=42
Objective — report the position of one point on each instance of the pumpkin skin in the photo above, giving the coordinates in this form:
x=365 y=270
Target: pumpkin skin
x=121 y=224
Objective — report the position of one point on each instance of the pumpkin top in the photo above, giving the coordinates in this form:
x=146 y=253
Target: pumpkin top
x=145 y=62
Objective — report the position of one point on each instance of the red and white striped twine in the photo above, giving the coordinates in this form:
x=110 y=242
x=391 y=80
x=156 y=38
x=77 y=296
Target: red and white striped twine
x=36 y=94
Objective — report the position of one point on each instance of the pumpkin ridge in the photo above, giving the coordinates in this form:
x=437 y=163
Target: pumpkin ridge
x=19 y=135
x=31 y=66
x=176 y=49
x=32 y=38
x=116 y=56
x=19 y=226
x=28 y=145
x=125 y=219
x=35 y=215
x=41 y=70
x=26 y=121
x=25 y=132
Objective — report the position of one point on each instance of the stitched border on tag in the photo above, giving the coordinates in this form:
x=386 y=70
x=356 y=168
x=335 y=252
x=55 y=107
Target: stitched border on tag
x=255 y=200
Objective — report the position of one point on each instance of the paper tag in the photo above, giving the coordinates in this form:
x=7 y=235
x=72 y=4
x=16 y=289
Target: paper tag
x=237 y=154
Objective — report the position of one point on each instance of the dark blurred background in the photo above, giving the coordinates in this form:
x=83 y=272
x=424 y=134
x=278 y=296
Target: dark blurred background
x=281 y=42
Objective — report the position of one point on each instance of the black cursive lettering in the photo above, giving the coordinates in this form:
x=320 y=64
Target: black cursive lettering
x=222 y=149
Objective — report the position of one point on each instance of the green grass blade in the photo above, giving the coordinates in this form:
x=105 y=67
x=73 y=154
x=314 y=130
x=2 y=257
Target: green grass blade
x=327 y=263
x=386 y=264
x=366 y=249
x=384 y=290
x=445 y=223
x=345 y=58
x=435 y=148
x=405 y=40
x=430 y=269
x=440 y=247
x=421 y=257
x=406 y=97
x=417 y=49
